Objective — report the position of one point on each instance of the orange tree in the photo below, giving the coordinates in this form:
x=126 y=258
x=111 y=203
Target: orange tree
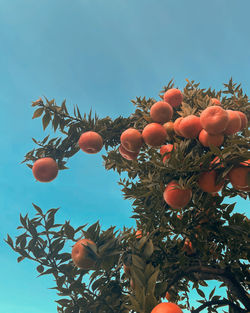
x=184 y=155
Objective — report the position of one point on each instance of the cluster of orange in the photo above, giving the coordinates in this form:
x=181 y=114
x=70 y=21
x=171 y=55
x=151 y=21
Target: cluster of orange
x=210 y=127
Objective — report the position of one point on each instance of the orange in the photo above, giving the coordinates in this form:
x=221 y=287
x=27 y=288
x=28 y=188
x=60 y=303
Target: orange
x=190 y=126
x=166 y=149
x=126 y=270
x=175 y=196
x=154 y=134
x=207 y=139
x=82 y=256
x=90 y=142
x=138 y=234
x=214 y=119
x=176 y=125
x=188 y=247
x=45 y=169
x=207 y=182
x=174 y=97
x=168 y=296
x=243 y=118
x=238 y=176
x=169 y=126
x=131 y=140
x=132 y=283
x=234 y=124
x=127 y=154
x=215 y=101
x=161 y=112
x=167 y=307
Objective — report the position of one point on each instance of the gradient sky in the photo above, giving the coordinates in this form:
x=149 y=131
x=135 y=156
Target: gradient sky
x=98 y=54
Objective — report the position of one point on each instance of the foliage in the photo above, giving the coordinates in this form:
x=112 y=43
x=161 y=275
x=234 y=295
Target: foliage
x=157 y=260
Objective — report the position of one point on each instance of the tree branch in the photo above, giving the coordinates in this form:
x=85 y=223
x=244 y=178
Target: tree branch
x=219 y=303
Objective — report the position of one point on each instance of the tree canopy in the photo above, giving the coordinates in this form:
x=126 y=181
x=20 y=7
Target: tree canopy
x=173 y=250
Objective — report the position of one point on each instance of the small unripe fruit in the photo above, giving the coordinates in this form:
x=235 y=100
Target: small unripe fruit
x=169 y=127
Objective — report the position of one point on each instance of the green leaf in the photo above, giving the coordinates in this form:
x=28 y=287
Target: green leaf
x=40 y=268
x=39 y=210
x=38 y=113
x=46 y=120
x=200 y=292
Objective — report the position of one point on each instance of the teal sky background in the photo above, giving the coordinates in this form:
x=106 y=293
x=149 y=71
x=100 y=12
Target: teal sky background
x=99 y=54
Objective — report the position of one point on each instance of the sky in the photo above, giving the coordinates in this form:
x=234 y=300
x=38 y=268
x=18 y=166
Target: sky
x=100 y=55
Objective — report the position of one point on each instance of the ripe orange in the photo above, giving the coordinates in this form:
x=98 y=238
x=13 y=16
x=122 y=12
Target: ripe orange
x=161 y=112
x=176 y=125
x=215 y=101
x=131 y=140
x=188 y=247
x=169 y=126
x=127 y=154
x=214 y=119
x=207 y=139
x=90 y=142
x=238 y=176
x=175 y=196
x=243 y=118
x=174 y=97
x=138 y=234
x=132 y=283
x=207 y=182
x=168 y=296
x=234 y=123
x=166 y=149
x=167 y=307
x=45 y=169
x=126 y=270
x=154 y=134
x=190 y=126
x=82 y=256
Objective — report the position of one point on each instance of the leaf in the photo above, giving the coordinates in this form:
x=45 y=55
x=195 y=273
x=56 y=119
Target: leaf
x=200 y=292
x=46 y=120
x=39 y=210
x=148 y=249
x=69 y=231
x=40 y=268
x=138 y=262
x=38 y=113
x=212 y=293
x=9 y=241
x=20 y=258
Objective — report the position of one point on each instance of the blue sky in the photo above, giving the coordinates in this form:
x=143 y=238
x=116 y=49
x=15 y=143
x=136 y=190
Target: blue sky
x=98 y=54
